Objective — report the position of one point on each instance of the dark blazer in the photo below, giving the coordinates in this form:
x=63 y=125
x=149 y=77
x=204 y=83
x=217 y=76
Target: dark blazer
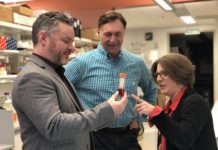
x=49 y=115
x=191 y=125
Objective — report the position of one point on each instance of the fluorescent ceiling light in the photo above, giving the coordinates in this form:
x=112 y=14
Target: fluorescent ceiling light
x=13 y=1
x=188 y=19
x=164 y=4
x=192 y=32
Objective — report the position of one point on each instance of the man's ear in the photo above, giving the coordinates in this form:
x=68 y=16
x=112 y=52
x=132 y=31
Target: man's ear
x=99 y=33
x=42 y=38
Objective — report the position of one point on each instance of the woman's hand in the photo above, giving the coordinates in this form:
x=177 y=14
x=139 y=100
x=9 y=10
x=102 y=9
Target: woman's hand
x=142 y=107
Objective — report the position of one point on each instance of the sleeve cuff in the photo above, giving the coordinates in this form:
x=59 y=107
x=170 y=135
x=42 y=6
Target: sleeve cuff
x=156 y=111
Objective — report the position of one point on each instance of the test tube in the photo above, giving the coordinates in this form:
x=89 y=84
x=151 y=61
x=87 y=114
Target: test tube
x=121 y=86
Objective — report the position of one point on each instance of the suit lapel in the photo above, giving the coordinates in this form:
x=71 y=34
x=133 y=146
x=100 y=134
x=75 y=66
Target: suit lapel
x=52 y=72
x=75 y=93
x=74 y=99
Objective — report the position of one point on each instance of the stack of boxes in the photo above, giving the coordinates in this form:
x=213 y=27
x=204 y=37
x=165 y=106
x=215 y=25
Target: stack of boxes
x=7 y=43
x=18 y=14
x=22 y=14
x=6 y=13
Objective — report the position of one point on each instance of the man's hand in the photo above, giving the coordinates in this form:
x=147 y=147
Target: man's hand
x=118 y=106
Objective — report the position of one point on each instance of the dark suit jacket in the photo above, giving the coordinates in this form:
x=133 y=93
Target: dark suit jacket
x=191 y=125
x=48 y=113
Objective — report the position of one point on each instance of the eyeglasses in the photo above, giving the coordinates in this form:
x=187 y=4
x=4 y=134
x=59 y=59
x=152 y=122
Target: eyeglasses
x=162 y=74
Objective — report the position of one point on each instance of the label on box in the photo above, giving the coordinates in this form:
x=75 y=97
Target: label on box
x=23 y=20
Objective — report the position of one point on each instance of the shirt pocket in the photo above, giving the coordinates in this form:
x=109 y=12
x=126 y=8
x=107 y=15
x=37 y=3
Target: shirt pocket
x=132 y=84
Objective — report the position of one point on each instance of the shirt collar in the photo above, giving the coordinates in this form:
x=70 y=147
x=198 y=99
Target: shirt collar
x=107 y=54
x=58 y=68
x=176 y=100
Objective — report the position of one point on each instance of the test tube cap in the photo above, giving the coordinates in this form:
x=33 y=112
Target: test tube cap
x=122 y=75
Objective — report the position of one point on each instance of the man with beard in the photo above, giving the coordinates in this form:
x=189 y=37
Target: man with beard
x=49 y=112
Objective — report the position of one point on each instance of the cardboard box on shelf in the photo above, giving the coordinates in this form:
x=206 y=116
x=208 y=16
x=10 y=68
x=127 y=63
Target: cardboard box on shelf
x=3 y=42
x=23 y=10
x=90 y=34
x=6 y=14
x=23 y=20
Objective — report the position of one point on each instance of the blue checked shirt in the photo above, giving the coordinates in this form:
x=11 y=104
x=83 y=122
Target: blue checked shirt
x=95 y=75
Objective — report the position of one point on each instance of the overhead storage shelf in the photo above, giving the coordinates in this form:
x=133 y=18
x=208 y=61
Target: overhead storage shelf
x=15 y=28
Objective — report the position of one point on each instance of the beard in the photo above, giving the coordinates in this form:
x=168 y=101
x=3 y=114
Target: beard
x=58 y=56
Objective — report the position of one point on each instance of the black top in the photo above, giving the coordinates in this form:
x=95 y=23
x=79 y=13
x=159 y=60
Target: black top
x=191 y=125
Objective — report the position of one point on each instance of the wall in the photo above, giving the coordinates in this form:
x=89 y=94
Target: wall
x=160 y=42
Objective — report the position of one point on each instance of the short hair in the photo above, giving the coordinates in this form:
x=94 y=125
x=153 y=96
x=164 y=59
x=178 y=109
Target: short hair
x=178 y=67
x=111 y=16
x=48 y=22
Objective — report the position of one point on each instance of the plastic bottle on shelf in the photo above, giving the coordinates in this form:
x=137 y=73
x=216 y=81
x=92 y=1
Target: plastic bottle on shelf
x=7 y=95
x=3 y=69
x=2 y=101
x=8 y=106
x=22 y=62
x=7 y=65
x=8 y=103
